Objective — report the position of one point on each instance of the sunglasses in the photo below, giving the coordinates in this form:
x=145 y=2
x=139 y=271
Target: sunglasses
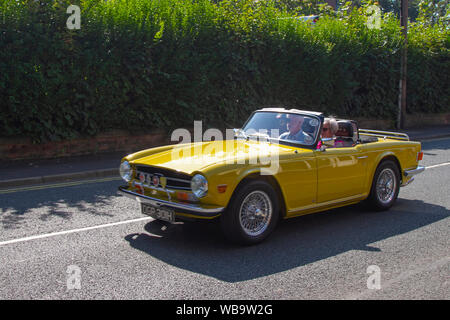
x=325 y=129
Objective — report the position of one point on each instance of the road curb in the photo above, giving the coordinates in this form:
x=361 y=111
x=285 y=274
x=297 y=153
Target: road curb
x=56 y=178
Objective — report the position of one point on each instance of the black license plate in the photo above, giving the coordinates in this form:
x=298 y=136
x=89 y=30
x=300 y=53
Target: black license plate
x=158 y=213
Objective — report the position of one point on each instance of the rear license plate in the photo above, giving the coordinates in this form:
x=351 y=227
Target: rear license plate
x=158 y=213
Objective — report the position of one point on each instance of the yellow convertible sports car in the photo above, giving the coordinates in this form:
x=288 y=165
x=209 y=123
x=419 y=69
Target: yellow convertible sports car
x=278 y=166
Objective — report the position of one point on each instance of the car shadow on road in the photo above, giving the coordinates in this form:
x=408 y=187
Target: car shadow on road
x=296 y=242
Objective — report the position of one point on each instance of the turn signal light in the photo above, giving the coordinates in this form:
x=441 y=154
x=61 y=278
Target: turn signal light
x=182 y=196
x=222 y=188
x=419 y=156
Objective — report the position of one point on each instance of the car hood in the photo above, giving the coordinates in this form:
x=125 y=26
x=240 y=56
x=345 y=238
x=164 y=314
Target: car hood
x=194 y=157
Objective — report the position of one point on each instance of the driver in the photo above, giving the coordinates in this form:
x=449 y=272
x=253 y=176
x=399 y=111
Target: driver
x=295 y=132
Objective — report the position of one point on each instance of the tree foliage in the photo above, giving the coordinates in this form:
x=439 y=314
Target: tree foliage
x=139 y=65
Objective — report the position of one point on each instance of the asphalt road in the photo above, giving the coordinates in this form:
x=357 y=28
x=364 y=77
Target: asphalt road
x=84 y=241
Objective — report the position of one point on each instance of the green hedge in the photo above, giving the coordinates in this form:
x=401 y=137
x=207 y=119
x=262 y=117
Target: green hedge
x=140 y=64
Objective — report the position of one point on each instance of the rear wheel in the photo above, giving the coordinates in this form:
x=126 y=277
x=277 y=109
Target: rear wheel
x=385 y=185
x=252 y=214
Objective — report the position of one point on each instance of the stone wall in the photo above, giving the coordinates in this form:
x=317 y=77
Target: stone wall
x=15 y=149
x=413 y=121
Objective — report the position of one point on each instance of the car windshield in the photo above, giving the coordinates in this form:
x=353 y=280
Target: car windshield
x=288 y=127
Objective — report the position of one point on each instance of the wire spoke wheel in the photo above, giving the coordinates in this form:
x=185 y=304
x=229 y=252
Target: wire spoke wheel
x=252 y=213
x=386 y=186
x=255 y=213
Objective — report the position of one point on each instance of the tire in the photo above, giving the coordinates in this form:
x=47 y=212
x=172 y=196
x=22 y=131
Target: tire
x=252 y=214
x=385 y=186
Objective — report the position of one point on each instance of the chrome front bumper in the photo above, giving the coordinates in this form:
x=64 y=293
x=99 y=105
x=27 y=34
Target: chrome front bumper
x=411 y=173
x=203 y=211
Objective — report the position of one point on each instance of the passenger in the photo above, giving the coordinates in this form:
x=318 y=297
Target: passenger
x=344 y=138
x=329 y=129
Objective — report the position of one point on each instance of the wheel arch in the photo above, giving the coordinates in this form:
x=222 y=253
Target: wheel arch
x=256 y=175
x=373 y=199
x=384 y=157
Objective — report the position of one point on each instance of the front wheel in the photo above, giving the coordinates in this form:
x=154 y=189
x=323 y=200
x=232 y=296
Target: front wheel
x=252 y=214
x=385 y=185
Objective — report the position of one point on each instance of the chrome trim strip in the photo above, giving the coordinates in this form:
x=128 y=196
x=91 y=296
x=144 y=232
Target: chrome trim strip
x=179 y=188
x=180 y=180
x=152 y=187
x=190 y=208
x=413 y=172
x=384 y=134
x=323 y=204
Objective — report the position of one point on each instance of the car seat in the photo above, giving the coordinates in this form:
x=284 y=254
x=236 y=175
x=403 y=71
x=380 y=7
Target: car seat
x=345 y=136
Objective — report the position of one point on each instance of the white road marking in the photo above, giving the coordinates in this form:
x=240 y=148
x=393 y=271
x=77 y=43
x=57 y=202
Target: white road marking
x=438 y=165
x=53 y=234
x=57 y=185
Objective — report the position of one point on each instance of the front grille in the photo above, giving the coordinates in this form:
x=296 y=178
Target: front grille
x=175 y=180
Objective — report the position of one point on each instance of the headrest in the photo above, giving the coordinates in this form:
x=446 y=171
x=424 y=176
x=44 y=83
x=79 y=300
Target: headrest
x=345 y=129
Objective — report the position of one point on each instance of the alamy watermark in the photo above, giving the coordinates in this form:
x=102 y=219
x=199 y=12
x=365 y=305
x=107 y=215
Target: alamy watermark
x=265 y=154
x=73 y=278
x=374 y=280
x=374 y=19
x=74 y=20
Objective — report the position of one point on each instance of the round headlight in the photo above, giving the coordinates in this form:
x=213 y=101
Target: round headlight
x=125 y=171
x=199 y=185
